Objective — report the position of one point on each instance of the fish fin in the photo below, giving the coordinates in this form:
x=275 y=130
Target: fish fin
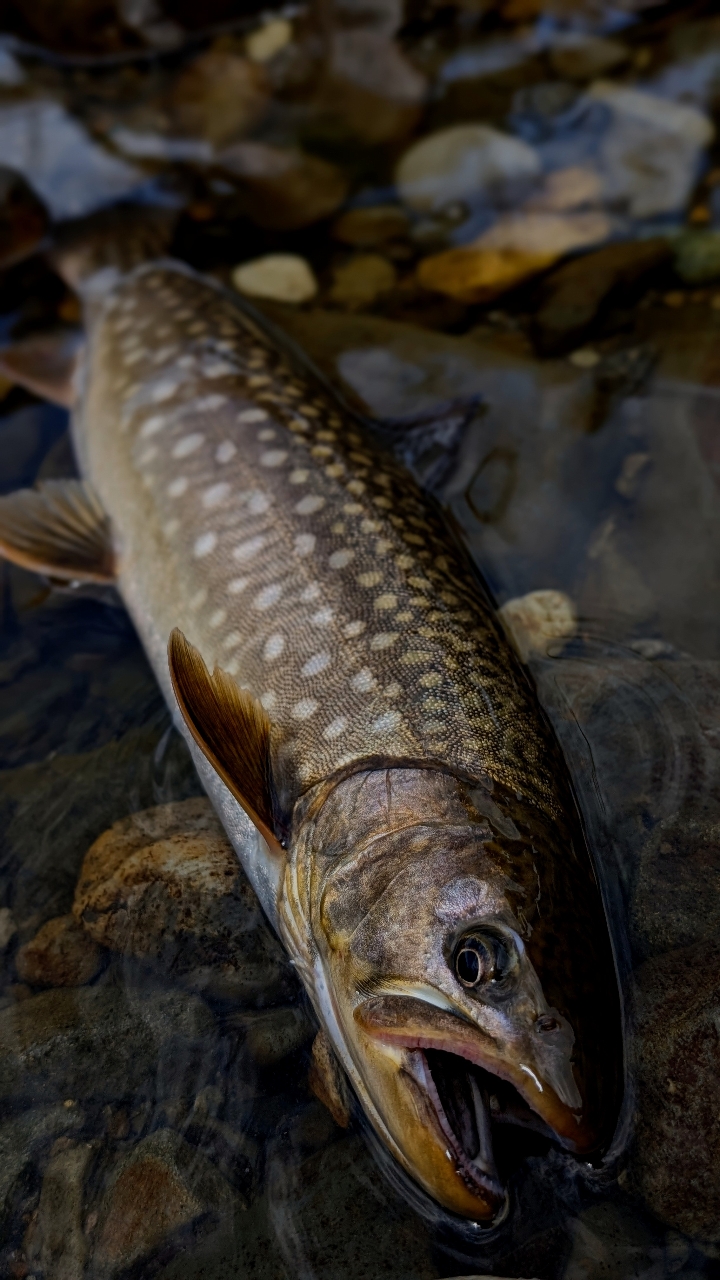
x=58 y=529
x=327 y=1080
x=44 y=364
x=232 y=729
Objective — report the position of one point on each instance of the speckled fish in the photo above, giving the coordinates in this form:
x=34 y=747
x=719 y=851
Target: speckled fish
x=373 y=746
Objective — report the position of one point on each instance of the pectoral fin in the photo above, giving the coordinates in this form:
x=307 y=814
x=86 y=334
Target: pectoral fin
x=327 y=1080
x=45 y=364
x=58 y=529
x=232 y=729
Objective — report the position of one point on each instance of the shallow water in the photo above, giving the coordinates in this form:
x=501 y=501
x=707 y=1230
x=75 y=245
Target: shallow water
x=156 y=1116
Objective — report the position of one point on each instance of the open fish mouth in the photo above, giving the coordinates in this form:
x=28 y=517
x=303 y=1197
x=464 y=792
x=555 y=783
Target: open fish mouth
x=487 y=1125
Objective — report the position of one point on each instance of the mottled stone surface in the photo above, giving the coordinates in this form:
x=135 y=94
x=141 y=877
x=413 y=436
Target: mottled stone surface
x=165 y=885
x=61 y=954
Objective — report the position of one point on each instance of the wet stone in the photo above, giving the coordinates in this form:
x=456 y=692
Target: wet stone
x=23 y=1139
x=471 y=163
x=537 y=619
x=370 y=88
x=361 y=281
x=271 y=1035
x=282 y=277
x=375 y=225
x=697 y=256
x=162 y=1193
x=676 y=1148
x=60 y=955
x=283 y=189
x=582 y=57
x=165 y=885
x=55 y=1240
x=220 y=96
x=99 y=1042
x=575 y=294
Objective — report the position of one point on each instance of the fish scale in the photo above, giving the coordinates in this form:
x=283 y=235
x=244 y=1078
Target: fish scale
x=259 y=517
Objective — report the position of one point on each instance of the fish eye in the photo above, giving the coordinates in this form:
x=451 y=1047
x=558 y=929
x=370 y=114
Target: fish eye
x=480 y=959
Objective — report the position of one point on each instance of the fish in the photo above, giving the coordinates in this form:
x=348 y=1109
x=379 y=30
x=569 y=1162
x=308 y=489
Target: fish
x=373 y=745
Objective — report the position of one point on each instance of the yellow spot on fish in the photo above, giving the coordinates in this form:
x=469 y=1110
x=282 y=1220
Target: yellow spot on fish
x=384 y=639
x=299 y=477
x=386 y=601
x=372 y=579
x=352 y=629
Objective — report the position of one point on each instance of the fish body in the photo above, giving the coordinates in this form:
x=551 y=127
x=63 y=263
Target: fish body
x=421 y=855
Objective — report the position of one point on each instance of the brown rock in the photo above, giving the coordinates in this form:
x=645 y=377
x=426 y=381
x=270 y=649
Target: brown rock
x=575 y=294
x=221 y=96
x=160 y=1190
x=360 y=282
x=676 y=1158
x=166 y=885
x=376 y=225
x=583 y=57
x=284 y=189
x=60 y=955
x=479 y=275
x=371 y=87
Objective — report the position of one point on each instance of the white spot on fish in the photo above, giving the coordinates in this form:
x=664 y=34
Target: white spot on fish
x=273 y=458
x=305 y=544
x=237 y=585
x=206 y=543
x=353 y=629
x=231 y=640
x=335 y=728
x=305 y=708
x=311 y=592
x=274 y=646
x=258 y=503
x=392 y=690
x=225 y=451
x=299 y=477
x=364 y=681
x=208 y=404
x=216 y=494
x=268 y=699
x=232 y=667
x=339 y=559
x=164 y=390
x=246 y=550
x=388 y=720
x=384 y=639
x=147 y=456
x=188 y=444
x=322 y=617
x=316 y=664
x=152 y=426
x=198 y=599
x=308 y=506
x=217 y=618
x=267 y=434
x=252 y=415
x=171 y=528
x=385 y=602
x=177 y=488
x=268 y=596
x=217 y=368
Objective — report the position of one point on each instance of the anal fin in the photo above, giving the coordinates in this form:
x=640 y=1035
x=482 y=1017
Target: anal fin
x=58 y=529
x=232 y=729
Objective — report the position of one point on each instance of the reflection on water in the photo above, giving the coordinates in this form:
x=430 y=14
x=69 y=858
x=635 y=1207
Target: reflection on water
x=505 y=212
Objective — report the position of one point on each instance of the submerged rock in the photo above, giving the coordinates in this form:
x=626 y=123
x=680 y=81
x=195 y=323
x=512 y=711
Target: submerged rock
x=56 y=1241
x=22 y=1139
x=166 y=885
x=472 y=163
x=60 y=955
x=575 y=294
x=652 y=151
x=375 y=225
x=263 y=44
x=158 y=1192
x=284 y=277
x=535 y=620
x=283 y=189
x=371 y=87
x=96 y=1043
x=697 y=256
x=362 y=280
x=576 y=56
x=220 y=96
x=677 y=1137
x=517 y=247
x=272 y=1034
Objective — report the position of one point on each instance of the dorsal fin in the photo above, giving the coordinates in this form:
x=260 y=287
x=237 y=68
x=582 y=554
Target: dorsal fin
x=232 y=729
x=58 y=529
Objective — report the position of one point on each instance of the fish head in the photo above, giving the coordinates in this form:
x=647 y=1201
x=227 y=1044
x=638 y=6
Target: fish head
x=468 y=978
